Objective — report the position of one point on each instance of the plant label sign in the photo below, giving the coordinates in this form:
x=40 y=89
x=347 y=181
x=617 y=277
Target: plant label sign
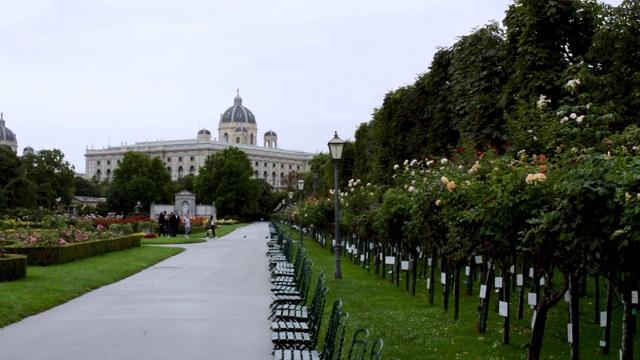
x=443 y=278
x=483 y=291
x=634 y=297
x=370 y=246
x=361 y=257
x=355 y=250
x=467 y=270
x=533 y=319
x=520 y=280
x=542 y=281
x=503 y=308
x=479 y=259
x=498 y=282
x=603 y=343
x=567 y=296
x=531 y=273
x=569 y=333
x=512 y=269
x=405 y=265
x=390 y=260
x=428 y=283
x=603 y=319
x=532 y=299
x=429 y=261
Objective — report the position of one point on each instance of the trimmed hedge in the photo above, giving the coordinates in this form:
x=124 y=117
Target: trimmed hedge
x=43 y=256
x=13 y=267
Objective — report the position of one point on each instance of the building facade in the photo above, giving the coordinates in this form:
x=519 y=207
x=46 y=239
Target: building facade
x=237 y=127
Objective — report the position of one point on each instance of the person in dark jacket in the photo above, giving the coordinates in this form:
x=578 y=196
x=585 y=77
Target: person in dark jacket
x=174 y=221
x=161 y=224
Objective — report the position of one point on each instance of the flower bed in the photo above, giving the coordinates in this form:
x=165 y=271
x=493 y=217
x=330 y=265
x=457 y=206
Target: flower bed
x=52 y=255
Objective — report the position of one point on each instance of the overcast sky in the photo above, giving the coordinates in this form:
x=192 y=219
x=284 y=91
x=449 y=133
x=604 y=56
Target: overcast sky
x=89 y=73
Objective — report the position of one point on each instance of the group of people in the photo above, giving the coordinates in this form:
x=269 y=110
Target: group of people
x=168 y=224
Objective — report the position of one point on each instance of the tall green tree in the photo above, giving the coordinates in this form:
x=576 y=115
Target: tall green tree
x=139 y=178
x=9 y=165
x=52 y=174
x=226 y=180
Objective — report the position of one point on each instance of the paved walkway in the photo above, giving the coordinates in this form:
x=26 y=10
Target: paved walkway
x=209 y=302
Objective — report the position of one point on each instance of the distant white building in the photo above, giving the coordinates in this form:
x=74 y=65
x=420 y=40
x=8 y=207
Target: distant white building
x=237 y=127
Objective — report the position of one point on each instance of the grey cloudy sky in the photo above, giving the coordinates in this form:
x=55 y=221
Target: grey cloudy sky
x=89 y=73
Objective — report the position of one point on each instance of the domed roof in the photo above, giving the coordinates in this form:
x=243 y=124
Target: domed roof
x=241 y=129
x=204 y=132
x=5 y=133
x=270 y=133
x=238 y=113
x=28 y=149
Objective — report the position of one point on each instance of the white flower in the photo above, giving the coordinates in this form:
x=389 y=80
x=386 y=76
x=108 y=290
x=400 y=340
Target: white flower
x=413 y=162
x=438 y=202
x=573 y=116
x=573 y=83
x=542 y=102
x=396 y=166
x=411 y=188
x=405 y=163
x=564 y=119
x=471 y=171
x=579 y=119
x=535 y=138
x=368 y=184
x=443 y=161
x=429 y=162
x=588 y=106
x=444 y=180
x=413 y=173
x=530 y=131
x=460 y=167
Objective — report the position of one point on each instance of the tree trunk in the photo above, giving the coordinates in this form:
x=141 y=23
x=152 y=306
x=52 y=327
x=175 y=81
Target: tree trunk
x=484 y=303
x=521 y=292
x=470 y=278
x=627 y=327
x=596 y=298
x=537 y=334
x=445 y=286
x=456 y=292
x=606 y=335
x=414 y=270
x=432 y=274
x=574 y=313
x=506 y=298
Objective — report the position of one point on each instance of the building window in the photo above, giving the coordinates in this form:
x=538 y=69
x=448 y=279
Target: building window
x=169 y=169
x=192 y=170
x=98 y=162
x=274 y=165
x=180 y=172
x=191 y=158
x=281 y=166
x=168 y=159
x=265 y=164
x=99 y=174
x=179 y=158
x=264 y=175
x=256 y=163
x=109 y=174
x=290 y=166
x=108 y=162
x=298 y=167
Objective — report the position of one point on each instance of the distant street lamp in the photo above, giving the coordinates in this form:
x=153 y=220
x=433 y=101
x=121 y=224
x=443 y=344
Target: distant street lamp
x=291 y=218
x=138 y=208
x=301 y=188
x=335 y=148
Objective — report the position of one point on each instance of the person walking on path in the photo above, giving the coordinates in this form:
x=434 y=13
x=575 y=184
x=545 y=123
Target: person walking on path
x=212 y=227
x=174 y=221
x=187 y=224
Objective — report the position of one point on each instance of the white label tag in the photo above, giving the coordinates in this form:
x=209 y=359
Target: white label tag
x=467 y=270
x=428 y=283
x=355 y=251
x=405 y=265
x=483 y=291
x=541 y=281
x=390 y=260
x=350 y=250
x=479 y=259
x=512 y=269
x=567 y=296
x=533 y=319
x=532 y=299
x=498 y=282
x=603 y=319
x=429 y=261
x=603 y=343
x=380 y=256
x=569 y=333
x=361 y=257
x=503 y=308
x=531 y=273
x=520 y=280
x=370 y=246
x=634 y=297
x=443 y=278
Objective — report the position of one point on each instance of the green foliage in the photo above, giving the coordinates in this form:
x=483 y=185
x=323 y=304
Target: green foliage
x=53 y=176
x=226 y=179
x=9 y=165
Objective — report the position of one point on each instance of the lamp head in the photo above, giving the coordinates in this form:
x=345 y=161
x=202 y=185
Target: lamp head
x=335 y=147
x=300 y=184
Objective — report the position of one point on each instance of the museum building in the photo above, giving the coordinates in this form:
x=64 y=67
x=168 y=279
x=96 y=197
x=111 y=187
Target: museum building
x=237 y=127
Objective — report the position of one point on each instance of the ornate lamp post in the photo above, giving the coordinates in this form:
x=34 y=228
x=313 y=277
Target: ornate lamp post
x=291 y=218
x=335 y=148
x=138 y=208
x=300 y=188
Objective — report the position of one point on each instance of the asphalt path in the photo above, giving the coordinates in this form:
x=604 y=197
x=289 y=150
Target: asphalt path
x=209 y=302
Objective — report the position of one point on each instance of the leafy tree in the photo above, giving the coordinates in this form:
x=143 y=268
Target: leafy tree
x=321 y=174
x=21 y=192
x=226 y=180
x=9 y=165
x=53 y=175
x=139 y=178
x=186 y=182
x=84 y=187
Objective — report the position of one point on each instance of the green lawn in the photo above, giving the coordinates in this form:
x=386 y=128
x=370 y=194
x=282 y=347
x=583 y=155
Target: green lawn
x=411 y=329
x=198 y=237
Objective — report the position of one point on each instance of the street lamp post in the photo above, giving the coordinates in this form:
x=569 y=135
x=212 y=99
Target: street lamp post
x=291 y=218
x=301 y=188
x=335 y=148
